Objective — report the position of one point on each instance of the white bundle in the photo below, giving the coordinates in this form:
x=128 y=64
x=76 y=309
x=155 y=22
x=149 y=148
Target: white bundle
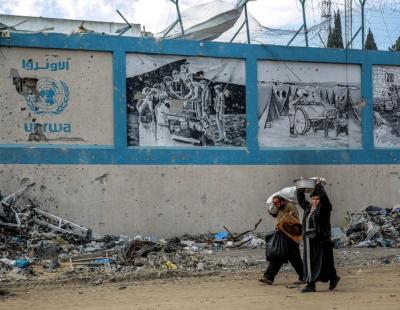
x=289 y=193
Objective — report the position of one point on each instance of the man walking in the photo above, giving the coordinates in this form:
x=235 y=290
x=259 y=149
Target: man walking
x=284 y=207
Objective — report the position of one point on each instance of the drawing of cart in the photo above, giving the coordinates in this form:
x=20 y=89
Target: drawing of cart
x=316 y=115
x=181 y=126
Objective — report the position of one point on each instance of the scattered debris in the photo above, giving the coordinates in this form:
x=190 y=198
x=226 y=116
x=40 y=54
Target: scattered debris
x=37 y=242
x=8 y=215
x=373 y=227
x=245 y=238
x=59 y=224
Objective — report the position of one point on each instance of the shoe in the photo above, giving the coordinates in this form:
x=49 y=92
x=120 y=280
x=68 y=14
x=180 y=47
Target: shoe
x=333 y=283
x=308 y=289
x=265 y=281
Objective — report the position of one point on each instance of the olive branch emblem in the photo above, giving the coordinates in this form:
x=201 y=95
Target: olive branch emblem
x=60 y=93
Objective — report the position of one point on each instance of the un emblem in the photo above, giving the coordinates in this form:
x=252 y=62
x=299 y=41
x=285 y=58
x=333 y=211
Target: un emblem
x=50 y=97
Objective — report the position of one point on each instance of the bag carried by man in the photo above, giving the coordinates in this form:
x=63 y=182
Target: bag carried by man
x=276 y=246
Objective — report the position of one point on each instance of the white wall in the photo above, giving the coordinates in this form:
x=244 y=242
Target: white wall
x=173 y=200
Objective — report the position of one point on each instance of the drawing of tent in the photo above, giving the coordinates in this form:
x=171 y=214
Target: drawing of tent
x=281 y=96
x=334 y=98
x=324 y=94
x=330 y=94
x=345 y=103
x=270 y=111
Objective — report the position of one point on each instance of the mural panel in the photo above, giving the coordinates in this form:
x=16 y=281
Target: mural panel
x=185 y=101
x=309 y=105
x=55 y=96
x=386 y=93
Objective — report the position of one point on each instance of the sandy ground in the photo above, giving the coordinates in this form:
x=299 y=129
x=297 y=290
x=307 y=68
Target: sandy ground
x=366 y=288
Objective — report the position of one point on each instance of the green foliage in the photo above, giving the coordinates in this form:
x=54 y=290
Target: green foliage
x=370 y=42
x=330 y=40
x=335 y=38
x=396 y=46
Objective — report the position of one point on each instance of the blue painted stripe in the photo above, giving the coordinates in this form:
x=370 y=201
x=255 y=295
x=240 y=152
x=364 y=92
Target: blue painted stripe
x=120 y=110
x=367 y=113
x=119 y=153
x=106 y=156
x=251 y=107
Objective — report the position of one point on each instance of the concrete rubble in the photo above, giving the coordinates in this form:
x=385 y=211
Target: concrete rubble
x=374 y=227
x=35 y=243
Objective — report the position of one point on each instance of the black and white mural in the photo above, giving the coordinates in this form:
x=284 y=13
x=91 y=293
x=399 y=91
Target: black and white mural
x=192 y=101
x=386 y=93
x=309 y=105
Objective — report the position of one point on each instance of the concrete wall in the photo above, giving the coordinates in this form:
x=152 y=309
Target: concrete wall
x=173 y=200
x=92 y=176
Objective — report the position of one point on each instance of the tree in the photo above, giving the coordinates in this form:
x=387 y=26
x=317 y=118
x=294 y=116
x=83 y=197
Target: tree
x=335 y=38
x=337 y=32
x=396 y=46
x=370 y=42
x=330 y=40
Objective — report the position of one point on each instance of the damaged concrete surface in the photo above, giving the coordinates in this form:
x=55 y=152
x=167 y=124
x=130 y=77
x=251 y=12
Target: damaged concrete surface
x=173 y=200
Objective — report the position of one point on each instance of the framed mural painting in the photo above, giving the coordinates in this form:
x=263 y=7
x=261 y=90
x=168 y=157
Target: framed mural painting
x=309 y=105
x=175 y=101
x=386 y=94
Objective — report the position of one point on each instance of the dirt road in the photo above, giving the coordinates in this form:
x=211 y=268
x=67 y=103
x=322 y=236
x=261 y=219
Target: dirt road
x=367 y=288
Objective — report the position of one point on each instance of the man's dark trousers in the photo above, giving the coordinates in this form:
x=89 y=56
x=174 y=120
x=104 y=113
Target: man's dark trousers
x=293 y=257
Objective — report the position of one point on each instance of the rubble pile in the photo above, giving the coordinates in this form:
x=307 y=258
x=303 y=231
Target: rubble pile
x=373 y=227
x=34 y=242
x=21 y=253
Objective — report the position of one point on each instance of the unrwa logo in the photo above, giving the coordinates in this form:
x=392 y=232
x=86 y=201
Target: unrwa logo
x=50 y=97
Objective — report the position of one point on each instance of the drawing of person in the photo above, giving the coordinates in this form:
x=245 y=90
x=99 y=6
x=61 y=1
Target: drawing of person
x=168 y=83
x=185 y=72
x=162 y=110
x=291 y=113
x=147 y=125
x=202 y=132
x=193 y=96
x=177 y=83
x=205 y=96
x=219 y=107
x=342 y=124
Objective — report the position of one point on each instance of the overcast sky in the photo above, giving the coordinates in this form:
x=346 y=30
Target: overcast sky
x=383 y=16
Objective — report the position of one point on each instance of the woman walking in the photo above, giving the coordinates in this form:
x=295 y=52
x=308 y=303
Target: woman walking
x=318 y=252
